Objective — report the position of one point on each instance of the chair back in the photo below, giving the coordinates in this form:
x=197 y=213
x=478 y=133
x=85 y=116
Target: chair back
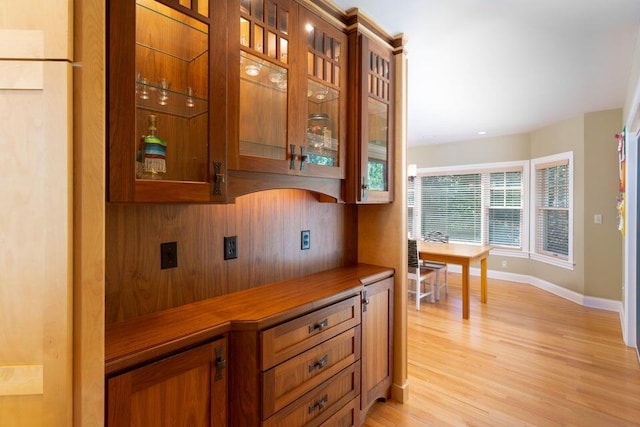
x=437 y=236
x=413 y=254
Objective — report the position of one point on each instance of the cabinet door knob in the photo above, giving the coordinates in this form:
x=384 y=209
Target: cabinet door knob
x=303 y=157
x=292 y=157
x=220 y=363
x=218 y=178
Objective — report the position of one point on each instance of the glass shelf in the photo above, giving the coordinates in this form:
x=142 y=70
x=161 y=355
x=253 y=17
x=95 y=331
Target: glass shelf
x=193 y=36
x=176 y=103
x=318 y=93
x=263 y=73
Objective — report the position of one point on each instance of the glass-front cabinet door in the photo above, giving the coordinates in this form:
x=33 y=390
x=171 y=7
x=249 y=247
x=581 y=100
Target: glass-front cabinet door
x=290 y=102
x=159 y=109
x=323 y=142
x=372 y=178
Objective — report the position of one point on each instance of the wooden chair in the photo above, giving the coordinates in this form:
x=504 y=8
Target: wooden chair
x=419 y=276
x=439 y=267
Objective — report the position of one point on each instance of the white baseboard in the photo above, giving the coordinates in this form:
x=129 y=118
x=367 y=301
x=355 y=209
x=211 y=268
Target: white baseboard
x=587 y=301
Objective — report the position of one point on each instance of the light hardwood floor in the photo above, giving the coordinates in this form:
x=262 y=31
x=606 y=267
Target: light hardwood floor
x=527 y=358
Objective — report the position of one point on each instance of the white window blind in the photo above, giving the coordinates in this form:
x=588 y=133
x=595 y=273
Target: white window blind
x=505 y=209
x=452 y=204
x=482 y=204
x=552 y=208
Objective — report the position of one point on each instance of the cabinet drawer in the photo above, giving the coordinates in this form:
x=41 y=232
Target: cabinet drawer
x=292 y=338
x=319 y=404
x=289 y=380
x=348 y=416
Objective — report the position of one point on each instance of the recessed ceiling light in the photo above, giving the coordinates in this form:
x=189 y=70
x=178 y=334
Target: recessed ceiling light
x=482 y=132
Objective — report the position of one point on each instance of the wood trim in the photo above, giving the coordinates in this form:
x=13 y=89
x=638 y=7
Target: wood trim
x=89 y=193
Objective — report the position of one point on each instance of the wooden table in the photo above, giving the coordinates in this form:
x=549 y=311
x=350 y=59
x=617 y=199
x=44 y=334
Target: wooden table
x=461 y=254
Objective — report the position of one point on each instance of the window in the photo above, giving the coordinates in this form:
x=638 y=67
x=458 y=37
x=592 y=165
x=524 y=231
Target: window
x=505 y=209
x=452 y=204
x=481 y=204
x=552 y=231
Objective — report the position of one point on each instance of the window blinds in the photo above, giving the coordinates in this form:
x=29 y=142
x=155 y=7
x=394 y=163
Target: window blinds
x=452 y=204
x=476 y=207
x=505 y=209
x=552 y=208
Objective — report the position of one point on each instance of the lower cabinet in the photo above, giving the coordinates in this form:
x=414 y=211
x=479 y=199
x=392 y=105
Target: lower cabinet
x=377 y=343
x=185 y=389
x=303 y=371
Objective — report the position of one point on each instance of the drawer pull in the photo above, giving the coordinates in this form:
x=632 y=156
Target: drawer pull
x=319 y=364
x=319 y=326
x=319 y=404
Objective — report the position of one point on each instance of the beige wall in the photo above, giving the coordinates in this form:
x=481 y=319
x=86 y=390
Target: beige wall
x=486 y=150
x=602 y=242
x=567 y=135
x=597 y=248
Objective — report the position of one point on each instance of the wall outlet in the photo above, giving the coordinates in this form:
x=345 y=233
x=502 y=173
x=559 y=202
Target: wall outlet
x=504 y=264
x=231 y=247
x=305 y=239
x=168 y=255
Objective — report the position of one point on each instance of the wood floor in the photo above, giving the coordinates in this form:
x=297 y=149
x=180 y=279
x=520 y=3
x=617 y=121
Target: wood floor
x=527 y=358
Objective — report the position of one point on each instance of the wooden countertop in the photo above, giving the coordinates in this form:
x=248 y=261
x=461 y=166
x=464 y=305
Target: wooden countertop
x=144 y=338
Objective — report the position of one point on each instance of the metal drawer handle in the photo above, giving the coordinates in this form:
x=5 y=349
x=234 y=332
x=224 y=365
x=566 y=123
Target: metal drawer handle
x=319 y=326
x=319 y=404
x=319 y=364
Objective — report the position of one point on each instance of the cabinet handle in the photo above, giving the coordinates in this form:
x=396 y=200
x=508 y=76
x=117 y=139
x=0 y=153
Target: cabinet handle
x=220 y=363
x=319 y=404
x=320 y=363
x=303 y=157
x=319 y=326
x=292 y=161
x=365 y=301
x=365 y=187
x=218 y=178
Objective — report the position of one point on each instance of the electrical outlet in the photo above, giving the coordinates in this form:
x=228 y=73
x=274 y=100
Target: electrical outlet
x=168 y=255
x=231 y=247
x=305 y=239
x=504 y=264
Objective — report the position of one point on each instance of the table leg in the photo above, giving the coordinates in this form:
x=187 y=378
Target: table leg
x=465 y=291
x=483 y=280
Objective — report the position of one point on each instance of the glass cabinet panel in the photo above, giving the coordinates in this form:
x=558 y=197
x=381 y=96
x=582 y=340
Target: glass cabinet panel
x=171 y=97
x=264 y=79
x=377 y=146
x=377 y=119
x=263 y=108
x=323 y=97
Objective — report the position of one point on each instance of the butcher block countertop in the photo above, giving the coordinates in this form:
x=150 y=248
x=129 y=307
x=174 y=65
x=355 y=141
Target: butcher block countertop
x=145 y=338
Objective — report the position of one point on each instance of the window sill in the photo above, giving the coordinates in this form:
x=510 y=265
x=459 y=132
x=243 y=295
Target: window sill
x=553 y=261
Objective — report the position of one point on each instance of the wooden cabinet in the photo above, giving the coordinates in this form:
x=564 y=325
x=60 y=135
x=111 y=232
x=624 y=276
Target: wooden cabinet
x=377 y=343
x=209 y=100
x=371 y=137
x=186 y=389
x=166 y=94
x=287 y=89
x=300 y=372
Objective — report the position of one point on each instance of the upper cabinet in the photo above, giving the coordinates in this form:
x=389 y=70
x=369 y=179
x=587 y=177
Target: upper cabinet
x=287 y=90
x=164 y=101
x=210 y=100
x=371 y=137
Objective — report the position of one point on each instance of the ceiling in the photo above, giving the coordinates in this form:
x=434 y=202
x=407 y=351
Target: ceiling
x=508 y=66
